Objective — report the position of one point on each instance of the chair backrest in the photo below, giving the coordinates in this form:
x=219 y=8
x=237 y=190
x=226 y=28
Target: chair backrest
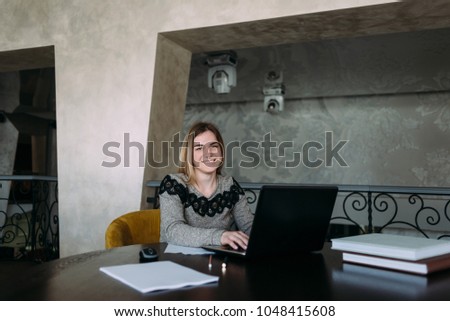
x=138 y=227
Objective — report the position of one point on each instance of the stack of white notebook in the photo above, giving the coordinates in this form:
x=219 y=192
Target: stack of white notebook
x=418 y=255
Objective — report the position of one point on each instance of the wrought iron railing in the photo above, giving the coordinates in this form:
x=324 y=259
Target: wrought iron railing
x=424 y=211
x=29 y=222
x=361 y=209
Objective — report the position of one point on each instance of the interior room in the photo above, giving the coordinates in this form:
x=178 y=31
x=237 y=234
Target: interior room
x=126 y=74
x=352 y=94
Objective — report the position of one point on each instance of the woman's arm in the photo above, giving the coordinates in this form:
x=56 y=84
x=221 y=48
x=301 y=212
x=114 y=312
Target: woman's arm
x=243 y=219
x=243 y=215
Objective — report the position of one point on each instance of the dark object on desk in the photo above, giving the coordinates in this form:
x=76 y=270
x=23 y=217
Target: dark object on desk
x=289 y=220
x=148 y=254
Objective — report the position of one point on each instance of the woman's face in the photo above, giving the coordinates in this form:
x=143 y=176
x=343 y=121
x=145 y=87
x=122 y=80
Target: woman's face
x=207 y=152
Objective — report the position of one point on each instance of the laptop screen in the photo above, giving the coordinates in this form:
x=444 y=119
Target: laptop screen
x=291 y=219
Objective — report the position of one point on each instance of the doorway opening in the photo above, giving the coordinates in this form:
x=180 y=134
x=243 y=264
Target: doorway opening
x=28 y=173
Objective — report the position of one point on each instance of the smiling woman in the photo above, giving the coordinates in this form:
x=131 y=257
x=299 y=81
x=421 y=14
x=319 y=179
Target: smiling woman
x=203 y=147
x=199 y=205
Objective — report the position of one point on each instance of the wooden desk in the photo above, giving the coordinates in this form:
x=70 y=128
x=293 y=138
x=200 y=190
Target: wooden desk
x=320 y=276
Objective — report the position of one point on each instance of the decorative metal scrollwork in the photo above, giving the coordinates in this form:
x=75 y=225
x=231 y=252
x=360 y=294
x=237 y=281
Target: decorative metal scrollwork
x=32 y=227
x=252 y=197
x=358 y=205
x=384 y=210
x=371 y=209
x=446 y=210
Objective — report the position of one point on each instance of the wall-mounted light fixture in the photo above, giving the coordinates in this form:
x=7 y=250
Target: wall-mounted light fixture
x=273 y=92
x=222 y=71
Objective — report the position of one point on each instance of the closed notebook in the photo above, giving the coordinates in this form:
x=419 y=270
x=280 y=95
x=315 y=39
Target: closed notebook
x=392 y=246
x=161 y=275
x=424 y=266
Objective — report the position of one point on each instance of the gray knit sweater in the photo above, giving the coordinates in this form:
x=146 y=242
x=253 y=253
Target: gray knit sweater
x=190 y=219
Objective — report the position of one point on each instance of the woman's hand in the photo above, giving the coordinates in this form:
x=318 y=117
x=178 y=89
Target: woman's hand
x=235 y=239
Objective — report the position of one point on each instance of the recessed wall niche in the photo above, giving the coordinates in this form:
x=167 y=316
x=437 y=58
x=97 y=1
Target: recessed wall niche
x=385 y=95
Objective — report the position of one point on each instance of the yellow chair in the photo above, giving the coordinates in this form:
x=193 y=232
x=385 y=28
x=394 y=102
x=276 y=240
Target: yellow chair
x=138 y=227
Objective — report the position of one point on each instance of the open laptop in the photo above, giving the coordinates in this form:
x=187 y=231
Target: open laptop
x=288 y=220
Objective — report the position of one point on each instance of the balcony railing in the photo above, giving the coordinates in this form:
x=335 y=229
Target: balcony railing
x=29 y=224
x=363 y=209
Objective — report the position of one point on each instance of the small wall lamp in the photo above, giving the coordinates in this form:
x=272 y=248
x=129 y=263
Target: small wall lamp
x=273 y=92
x=222 y=71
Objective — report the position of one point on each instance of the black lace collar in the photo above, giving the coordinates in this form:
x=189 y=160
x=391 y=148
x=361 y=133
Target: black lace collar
x=201 y=205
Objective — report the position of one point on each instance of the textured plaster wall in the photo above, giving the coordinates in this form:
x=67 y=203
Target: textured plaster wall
x=400 y=141
x=387 y=96
x=104 y=60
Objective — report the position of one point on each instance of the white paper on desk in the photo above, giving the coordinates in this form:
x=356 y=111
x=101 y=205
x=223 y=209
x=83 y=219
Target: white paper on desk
x=161 y=275
x=171 y=248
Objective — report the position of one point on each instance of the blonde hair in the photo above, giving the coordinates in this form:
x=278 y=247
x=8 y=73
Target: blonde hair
x=186 y=156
